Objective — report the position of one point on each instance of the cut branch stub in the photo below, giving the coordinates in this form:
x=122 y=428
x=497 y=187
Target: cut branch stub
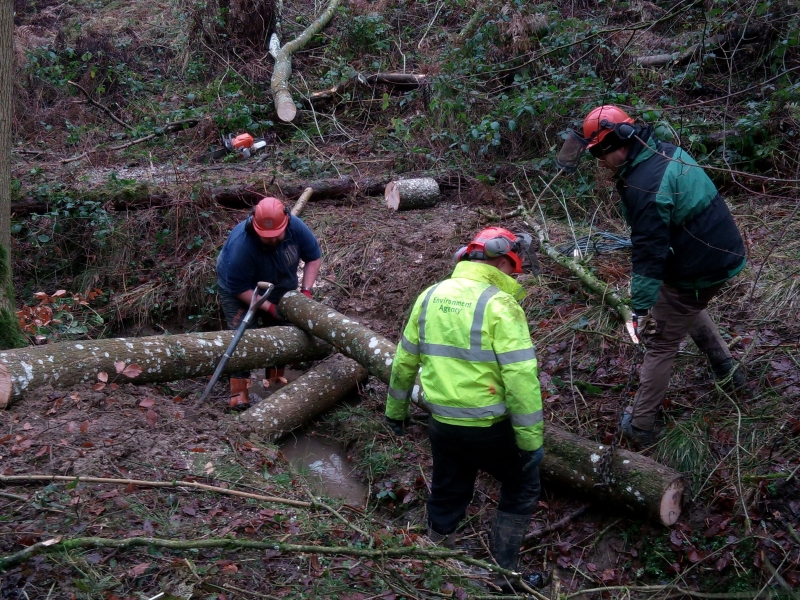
x=161 y=358
x=408 y=194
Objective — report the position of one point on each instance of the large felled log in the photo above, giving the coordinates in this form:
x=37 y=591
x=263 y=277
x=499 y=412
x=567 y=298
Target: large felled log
x=284 y=104
x=396 y=82
x=149 y=359
x=722 y=43
x=634 y=481
x=311 y=394
x=408 y=194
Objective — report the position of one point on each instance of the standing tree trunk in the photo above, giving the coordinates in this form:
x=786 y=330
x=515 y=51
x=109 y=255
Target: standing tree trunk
x=10 y=333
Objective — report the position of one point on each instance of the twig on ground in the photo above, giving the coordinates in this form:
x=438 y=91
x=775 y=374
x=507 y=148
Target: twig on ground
x=144 y=483
x=105 y=109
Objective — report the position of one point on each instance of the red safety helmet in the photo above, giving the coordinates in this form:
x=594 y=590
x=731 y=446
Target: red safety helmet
x=493 y=242
x=270 y=217
x=600 y=122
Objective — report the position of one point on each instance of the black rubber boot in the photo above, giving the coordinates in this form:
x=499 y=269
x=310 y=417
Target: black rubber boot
x=722 y=370
x=508 y=531
x=447 y=541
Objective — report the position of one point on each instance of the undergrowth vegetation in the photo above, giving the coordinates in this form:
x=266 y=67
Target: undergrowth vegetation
x=112 y=236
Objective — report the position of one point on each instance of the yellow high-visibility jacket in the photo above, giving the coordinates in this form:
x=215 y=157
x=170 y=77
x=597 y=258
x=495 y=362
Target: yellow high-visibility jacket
x=479 y=367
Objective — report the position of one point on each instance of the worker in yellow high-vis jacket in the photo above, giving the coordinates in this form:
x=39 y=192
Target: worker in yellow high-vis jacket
x=479 y=377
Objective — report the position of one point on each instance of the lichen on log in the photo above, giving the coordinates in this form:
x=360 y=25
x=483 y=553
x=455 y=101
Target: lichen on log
x=159 y=358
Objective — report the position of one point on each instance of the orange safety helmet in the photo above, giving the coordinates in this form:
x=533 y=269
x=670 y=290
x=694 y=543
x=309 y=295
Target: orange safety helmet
x=600 y=122
x=493 y=242
x=270 y=217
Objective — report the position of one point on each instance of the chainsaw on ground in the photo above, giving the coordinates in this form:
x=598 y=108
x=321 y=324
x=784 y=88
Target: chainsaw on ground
x=244 y=144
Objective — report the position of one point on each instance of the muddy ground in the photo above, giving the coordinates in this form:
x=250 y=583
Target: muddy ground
x=372 y=274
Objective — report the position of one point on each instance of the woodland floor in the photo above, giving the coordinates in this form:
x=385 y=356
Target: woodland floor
x=153 y=274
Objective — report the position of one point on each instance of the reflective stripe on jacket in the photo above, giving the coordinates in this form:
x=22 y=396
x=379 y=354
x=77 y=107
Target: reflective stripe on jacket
x=479 y=367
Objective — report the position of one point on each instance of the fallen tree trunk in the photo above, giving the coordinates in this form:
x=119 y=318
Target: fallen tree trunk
x=633 y=481
x=311 y=394
x=397 y=82
x=721 y=42
x=300 y=205
x=408 y=194
x=284 y=104
x=150 y=359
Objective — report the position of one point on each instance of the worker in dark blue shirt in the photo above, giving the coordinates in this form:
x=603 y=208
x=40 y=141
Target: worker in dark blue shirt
x=267 y=246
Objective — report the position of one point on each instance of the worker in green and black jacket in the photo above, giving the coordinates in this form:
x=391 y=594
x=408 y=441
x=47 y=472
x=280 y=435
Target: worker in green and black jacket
x=686 y=246
x=479 y=376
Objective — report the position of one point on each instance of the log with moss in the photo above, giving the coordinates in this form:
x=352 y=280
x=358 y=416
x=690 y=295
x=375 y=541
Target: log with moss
x=308 y=396
x=149 y=359
x=632 y=481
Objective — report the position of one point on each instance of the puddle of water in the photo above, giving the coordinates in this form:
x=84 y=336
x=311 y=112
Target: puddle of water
x=328 y=463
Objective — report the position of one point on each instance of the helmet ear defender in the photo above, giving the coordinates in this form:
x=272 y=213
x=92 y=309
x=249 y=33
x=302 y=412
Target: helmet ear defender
x=493 y=248
x=623 y=131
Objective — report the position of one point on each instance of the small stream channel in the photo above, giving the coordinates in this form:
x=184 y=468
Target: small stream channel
x=328 y=465
x=331 y=472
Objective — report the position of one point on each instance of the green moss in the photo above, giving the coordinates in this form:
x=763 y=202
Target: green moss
x=10 y=334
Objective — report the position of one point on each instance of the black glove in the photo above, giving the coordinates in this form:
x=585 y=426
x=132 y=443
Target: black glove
x=643 y=323
x=398 y=425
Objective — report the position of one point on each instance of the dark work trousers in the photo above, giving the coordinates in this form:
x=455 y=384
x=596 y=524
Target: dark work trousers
x=677 y=313
x=458 y=452
x=234 y=311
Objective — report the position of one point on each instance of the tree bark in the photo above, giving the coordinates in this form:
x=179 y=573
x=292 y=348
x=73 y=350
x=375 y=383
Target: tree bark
x=311 y=394
x=160 y=358
x=10 y=334
x=634 y=481
x=408 y=194
x=284 y=104
x=300 y=205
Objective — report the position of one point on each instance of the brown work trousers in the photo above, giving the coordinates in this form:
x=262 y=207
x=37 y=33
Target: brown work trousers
x=677 y=313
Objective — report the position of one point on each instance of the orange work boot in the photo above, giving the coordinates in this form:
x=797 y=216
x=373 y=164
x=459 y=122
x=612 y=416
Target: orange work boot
x=275 y=375
x=240 y=399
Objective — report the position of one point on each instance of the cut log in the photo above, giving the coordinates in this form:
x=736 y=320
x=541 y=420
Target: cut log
x=634 y=481
x=408 y=194
x=308 y=396
x=159 y=358
x=300 y=205
x=284 y=104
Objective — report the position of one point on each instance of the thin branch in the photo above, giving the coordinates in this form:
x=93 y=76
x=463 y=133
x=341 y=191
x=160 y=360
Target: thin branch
x=105 y=109
x=155 y=484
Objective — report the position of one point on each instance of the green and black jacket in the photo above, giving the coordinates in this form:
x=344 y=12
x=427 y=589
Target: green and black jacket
x=681 y=229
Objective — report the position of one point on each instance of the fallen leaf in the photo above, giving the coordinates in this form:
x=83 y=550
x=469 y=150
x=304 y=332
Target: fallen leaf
x=42 y=451
x=84 y=426
x=147 y=403
x=138 y=569
x=197 y=450
x=151 y=417
x=60 y=293
x=98 y=386
x=102 y=376
x=694 y=555
x=132 y=371
x=230 y=569
x=27 y=426
x=119 y=366
x=72 y=427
